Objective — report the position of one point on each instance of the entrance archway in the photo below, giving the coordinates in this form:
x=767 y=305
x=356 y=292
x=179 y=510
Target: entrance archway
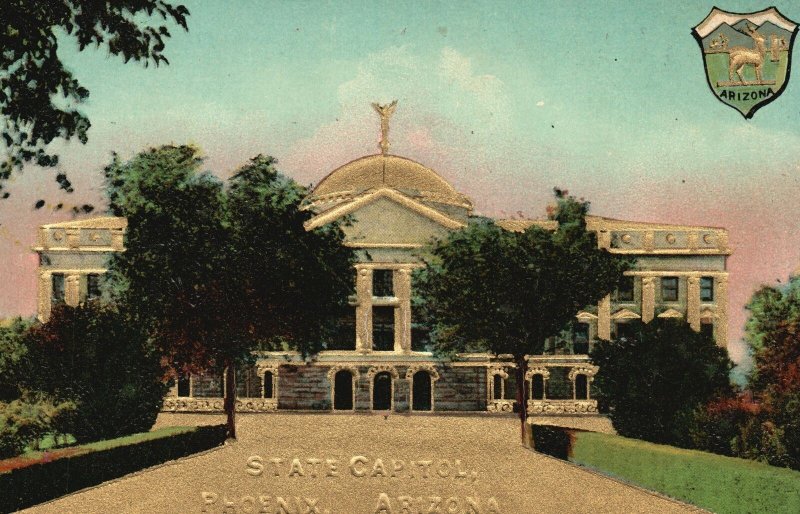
x=382 y=391
x=421 y=391
x=343 y=390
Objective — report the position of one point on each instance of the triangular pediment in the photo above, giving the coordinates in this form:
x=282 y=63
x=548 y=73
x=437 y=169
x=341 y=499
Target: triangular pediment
x=383 y=194
x=625 y=314
x=670 y=313
x=585 y=317
x=708 y=314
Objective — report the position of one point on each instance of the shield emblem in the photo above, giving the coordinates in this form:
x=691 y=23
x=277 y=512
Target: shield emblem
x=747 y=56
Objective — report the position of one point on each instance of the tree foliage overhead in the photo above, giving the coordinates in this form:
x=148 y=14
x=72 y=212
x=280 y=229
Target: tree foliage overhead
x=653 y=382
x=38 y=94
x=216 y=272
x=494 y=290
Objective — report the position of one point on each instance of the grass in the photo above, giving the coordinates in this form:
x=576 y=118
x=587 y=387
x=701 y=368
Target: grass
x=715 y=482
x=33 y=457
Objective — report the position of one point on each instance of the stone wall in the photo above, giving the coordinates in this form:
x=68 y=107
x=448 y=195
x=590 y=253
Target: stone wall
x=303 y=387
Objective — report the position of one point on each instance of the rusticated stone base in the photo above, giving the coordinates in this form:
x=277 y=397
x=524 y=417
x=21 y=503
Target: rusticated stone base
x=501 y=406
x=173 y=404
x=544 y=407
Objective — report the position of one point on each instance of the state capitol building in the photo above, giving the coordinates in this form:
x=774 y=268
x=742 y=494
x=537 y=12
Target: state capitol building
x=382 y=362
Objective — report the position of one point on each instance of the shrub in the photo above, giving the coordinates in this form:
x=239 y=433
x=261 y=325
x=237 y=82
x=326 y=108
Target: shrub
x=12 y=351
x=655 y=380
x=24 y=421
x=97 y=357
x=718 y=425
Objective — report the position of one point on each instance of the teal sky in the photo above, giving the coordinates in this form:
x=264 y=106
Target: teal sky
x=504 y=99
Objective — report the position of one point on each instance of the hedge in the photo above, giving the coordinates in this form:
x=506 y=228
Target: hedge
x=714 y=482
x=83 y=466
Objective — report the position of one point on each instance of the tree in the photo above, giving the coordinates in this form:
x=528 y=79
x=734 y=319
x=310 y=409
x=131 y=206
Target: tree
x=773 y=334
x=38 y=95
x=216 y=273
x=488 y=289
x=96 y=357
x=12 y=353
x=654 y=381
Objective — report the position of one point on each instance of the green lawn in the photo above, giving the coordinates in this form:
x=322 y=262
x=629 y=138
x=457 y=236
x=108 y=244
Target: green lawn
x=714 y=482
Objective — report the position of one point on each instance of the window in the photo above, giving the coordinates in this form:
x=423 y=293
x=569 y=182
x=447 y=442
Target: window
x=497 y=390
x=707 y=329
x=92 y=286
x=626 y=330
x=383 y=328
x=537 y=386
x=581 y=387
x=248 y=383
x=580 y=341
x=707 y=289
x=58 y=294
x=669 y=289
x=269 y=385
x=383 y=282
x=625 y=290
x=184 y=386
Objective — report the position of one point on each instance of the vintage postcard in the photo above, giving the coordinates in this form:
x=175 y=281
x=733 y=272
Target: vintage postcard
x=400 y=256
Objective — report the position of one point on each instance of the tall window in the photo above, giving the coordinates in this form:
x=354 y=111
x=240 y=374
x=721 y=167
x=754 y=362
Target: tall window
x=497 y=390
x=383 y=328
x=269 y=385
x=382 y=282
x=625 y=290
x=580 y=341
x=707 y=329
x=184 y=387
x=669 y=289
x=58 y=295
x=707 y=289
x=92 y=286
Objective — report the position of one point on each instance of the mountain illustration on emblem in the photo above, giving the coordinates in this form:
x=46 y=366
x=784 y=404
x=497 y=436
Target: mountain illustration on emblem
x=747 y=56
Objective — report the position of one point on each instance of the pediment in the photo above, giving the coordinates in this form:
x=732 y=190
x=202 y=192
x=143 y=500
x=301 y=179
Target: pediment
x=585 y=317
x=625 y=314
x=708 y=314
x=670 y=313
x=383 y=194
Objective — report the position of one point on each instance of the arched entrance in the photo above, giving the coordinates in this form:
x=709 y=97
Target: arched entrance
x=343 y=390
x=382 y=391
x=421 y=391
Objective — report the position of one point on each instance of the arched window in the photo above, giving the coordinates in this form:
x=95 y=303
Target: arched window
x=422 y=391
x=581 y=387
x=343 y=390
x=382 y=391
x=537 y=387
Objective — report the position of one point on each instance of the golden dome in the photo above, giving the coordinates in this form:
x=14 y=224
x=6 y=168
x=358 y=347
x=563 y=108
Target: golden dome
x=385 y=171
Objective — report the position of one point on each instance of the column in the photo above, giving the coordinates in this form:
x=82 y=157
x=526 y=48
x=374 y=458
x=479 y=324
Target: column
x=604 y=318
x=364 y=309
x=604 y=239
x=721 y=330
x=648 y=298
x=72 y=290
x=402 y=314
x=45 y=294
x=693 y=302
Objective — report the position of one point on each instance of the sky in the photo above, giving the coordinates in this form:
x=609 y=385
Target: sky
x=504 y=99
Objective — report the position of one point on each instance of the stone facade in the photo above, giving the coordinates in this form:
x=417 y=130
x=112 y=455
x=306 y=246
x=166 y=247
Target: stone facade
x=397 y=207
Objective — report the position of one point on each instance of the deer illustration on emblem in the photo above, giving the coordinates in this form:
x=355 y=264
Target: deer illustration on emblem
x=742 y=56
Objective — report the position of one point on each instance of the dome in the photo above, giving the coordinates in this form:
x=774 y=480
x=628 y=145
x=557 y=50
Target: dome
x=379 y=171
